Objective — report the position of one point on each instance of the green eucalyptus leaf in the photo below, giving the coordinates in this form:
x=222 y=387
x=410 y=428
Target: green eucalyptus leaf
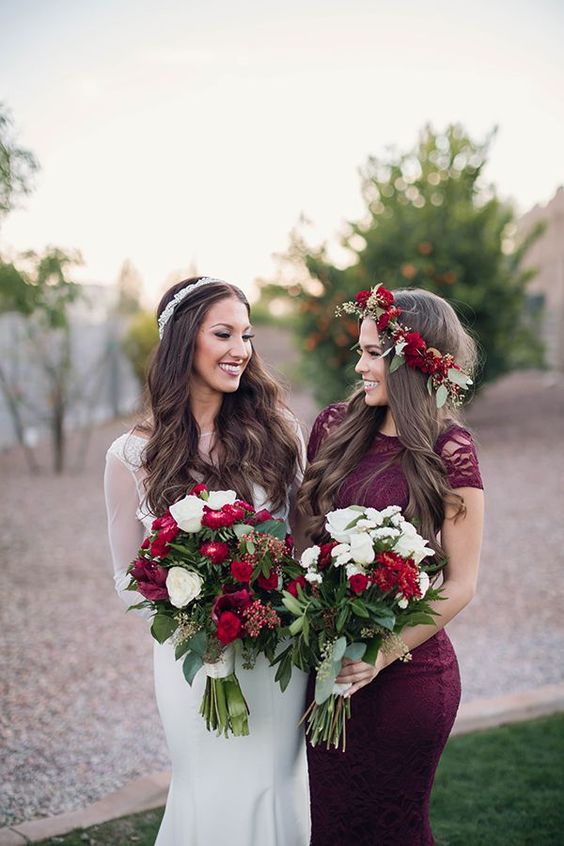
x=442 y=396
x=241 y=529
x=324 y=685
x=192 y=663
x=275 y=528
x=198 y=643
x=339 y=649
x=396 y=363
x=355 y=651
x=163 y=626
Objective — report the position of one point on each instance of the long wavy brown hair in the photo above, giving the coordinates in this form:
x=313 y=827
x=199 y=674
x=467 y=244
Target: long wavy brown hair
x=418 y=422
x=256 y=440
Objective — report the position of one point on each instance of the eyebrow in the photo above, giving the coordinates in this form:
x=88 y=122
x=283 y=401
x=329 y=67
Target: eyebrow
x=371 y=346
x=229 y=326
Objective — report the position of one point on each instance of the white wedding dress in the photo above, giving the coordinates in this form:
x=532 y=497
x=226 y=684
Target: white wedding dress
x=244 y=791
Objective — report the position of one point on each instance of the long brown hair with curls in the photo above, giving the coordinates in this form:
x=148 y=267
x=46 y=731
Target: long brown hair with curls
x=254 y=434
x=418 y=422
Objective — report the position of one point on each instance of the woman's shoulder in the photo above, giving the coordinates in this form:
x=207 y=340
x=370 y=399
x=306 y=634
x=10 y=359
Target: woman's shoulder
x=457 y=448
x=128 y=448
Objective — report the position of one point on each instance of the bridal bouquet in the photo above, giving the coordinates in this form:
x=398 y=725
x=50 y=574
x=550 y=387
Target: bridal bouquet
x=212 y=570
x=354 y=597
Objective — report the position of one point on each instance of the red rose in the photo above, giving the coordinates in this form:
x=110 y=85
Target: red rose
x=146 y=543
x=242 y=571
x=385 y=298
x=236 y=511
x=269 y=582
x=325 y=554
x=215 y=550
x=414 y=348
x=167 y=521
x=216 y=519
x=358 y=583
x=232 y=600
x=228 y=627
x=263 y=516
x=293 y=586
x=362 y=298
x=197 y=490
x=151 y=579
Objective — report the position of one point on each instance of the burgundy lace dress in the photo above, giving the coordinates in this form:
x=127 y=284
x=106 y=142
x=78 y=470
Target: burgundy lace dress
x=378 y=791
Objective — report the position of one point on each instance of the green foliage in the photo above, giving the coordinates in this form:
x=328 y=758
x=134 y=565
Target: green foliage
x=140 y=340
x=17 y=166
x=432 y=223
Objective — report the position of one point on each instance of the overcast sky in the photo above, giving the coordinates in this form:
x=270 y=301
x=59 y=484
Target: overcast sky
x=196 y=132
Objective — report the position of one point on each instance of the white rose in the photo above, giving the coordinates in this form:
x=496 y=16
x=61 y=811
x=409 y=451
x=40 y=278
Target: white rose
x=362 y=550
x=341 y=554
x=188 y=513
x=309 y=556
x=339 y=521
x=183 y=586
x=424 y=583
x=217 y=499
x=313 y=577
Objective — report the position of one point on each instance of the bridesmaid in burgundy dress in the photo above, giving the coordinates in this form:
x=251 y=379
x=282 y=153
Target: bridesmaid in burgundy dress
x=391 y=444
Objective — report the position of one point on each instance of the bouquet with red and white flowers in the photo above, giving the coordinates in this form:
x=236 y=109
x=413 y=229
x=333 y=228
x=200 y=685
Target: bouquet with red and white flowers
x=212 y=570
x=354 y=597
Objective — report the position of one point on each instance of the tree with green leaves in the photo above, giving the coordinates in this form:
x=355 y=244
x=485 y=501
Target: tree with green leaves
x=17 y=166
x=431 y=222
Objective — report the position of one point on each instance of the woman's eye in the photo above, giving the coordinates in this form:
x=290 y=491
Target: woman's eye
x=248 y=337
x=222 y=335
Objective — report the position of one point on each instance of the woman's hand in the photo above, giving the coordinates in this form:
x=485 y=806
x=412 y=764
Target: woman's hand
x=358 y=673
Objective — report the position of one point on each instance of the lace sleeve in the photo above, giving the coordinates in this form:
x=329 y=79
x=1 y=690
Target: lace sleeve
x=458 y=451
x=125 y=532
x=324 y=422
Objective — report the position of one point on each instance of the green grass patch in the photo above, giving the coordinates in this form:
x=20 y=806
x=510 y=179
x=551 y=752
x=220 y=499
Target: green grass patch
x=500 y=787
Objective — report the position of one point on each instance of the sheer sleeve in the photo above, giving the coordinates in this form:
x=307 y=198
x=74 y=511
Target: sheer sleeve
x=458 y=452
x=324 y=422
x=125 y=531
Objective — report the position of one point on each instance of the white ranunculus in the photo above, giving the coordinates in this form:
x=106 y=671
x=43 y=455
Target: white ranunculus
x=362 y=550
x=312 y=577
x=338 y=523
x=310 y=556
x=341 y=554
x=217 y=499
x=402 y=601
x=188 y=513
x=183 y=586
x=424 y=583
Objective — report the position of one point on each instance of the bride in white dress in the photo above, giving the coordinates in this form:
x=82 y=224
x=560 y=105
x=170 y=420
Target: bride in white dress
x=216 y=415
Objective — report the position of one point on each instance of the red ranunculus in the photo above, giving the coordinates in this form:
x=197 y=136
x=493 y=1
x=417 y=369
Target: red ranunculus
x=269 y=582
x=151 y=579
x=231 y=600
x=228 y=627
x=216 y=519
x=197 y=490
x=263 y=516
x=217 y=551
x=362 y=298
x=414 y=349
x=391 y=314
x=358 y=583
x=242 y=571
x=293 y=586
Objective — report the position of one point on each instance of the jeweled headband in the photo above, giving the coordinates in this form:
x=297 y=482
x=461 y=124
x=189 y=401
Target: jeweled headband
x=178 y=297
x=445 y=375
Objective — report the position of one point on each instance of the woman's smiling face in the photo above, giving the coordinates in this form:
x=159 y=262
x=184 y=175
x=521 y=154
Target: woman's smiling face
x=371 y=367
x=223 y=347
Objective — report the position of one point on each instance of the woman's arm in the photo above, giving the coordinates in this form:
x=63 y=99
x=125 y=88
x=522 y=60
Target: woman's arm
x=461 y=538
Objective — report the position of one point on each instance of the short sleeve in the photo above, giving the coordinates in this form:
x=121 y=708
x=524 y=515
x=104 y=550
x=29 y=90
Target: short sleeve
x=458 y=452
x=324 y=422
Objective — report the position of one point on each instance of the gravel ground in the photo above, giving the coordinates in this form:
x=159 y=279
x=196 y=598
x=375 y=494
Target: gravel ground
x=79 y=718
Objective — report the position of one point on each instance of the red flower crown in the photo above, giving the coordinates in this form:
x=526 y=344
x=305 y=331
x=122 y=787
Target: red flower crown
x=444 y=374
